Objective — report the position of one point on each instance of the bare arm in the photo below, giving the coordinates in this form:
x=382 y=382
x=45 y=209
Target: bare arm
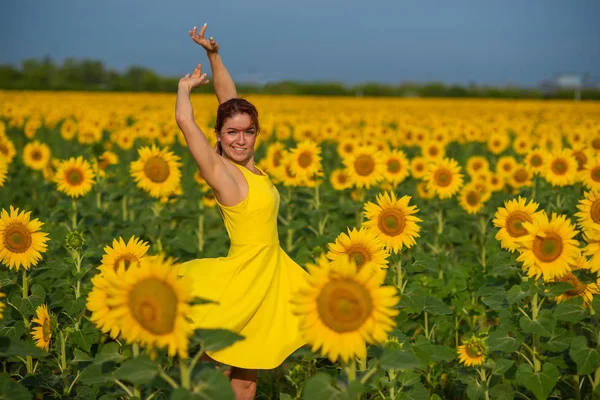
x=224 y=85
x=211 y=165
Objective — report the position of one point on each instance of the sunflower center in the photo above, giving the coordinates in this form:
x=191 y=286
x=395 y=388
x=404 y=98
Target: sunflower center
x=472 y=198
x=348 y=148
x=521 y=175
x=359 y=253
x=342 y=178
x=536 y=161
x=393 y=166
x=17 y=238
x=126 y=259
x=507 y=167
x=104 y=163
x=46 y=331
x=392 y=222
x=578 y=286
x=74 y=177
x=153 y=304
x=514 y=223
x=305 y=159
x=156 y=169
x=477 y=166
x=442 y=177
x=433 y=151
x=595 y=211
x=596 y=144
x=549 y=248
x=559 y=167
x=344 y=305
x=277 y=158
x=595 y=174
x=364 y=165
x=36 y=155
x=4 y=148
x=474 y=350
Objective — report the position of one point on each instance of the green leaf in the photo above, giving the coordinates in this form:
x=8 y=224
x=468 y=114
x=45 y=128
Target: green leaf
x=217 y=339
x=517 y=293
x=540 y=383
x=476 y=389
x=558 y=341
x=15 y=347
x=15 y=330
x=320 y=387
x=199 y=301
x=418 y=392
x=428 y=352
x=587 y=359
x=109 y=352
x=435 y=306
x=501 y=340
x=97 y=373
x=501 y=366
x=408 y=378
x=425 y=262
x=80 y=356
x=413 y=300
x=556 y=289
x=140 y=370
x=570 y=311
x=596 y=304
x=493 y=296
x=399 y=359
x=503 y=391
x=285 y=396
x=12 y=390
x=215 y=385
x=542 y=326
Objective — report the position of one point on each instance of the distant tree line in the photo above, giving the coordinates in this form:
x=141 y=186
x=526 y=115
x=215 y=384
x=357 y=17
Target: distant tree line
x=75 y=74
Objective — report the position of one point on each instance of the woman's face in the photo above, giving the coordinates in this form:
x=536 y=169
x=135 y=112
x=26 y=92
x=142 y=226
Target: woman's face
x=237 y=138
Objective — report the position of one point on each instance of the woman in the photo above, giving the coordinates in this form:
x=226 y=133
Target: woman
x=254 y=283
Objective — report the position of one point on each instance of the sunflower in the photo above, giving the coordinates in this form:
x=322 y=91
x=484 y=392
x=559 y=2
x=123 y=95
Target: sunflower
x=510 y=219
x=476 y=164
x=36 y=155
x=120 y=252
x=285 y=174
x=68 y=129
x=7 y=149
x=506 y=166
x=418 y=167
x=472 y=197
x=433 y=150
x=393 y=220
x=340 y=179
x=498 y=142
x=305 y=159
x=585 y=290
x=146 y=303
x=107 y=158
x=496 y=183
x=588 y=218
x=366 y=166
x=522 y=145
x=548 y=249
x=561 y=168
x=397 y=166
x=275 y=154
x=424 y=192
x=74 y=177
x=3 y=170
x=341 y=308
x=590 y=173
x=156 y=171
x=208 y=200
x=362 y=246
x=472 y=352
x=346 y=147
x=521 y=177
x=21 y=242
x=582 y=156
x=536 y=159
x=444 y=178
x=43 y=333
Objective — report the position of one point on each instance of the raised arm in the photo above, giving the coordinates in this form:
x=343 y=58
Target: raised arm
x=224 y=85
x=212 y=166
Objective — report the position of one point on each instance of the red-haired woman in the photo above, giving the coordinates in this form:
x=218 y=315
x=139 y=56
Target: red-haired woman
x=254 y=283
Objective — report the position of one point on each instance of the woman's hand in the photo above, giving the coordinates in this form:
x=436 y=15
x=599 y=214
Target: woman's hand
x=196 y=79
x=209 y=44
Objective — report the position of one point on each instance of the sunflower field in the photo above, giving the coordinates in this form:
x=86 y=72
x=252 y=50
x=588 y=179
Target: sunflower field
x=453 y=247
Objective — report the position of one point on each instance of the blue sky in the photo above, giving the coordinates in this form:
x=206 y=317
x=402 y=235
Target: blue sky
x=390 y=41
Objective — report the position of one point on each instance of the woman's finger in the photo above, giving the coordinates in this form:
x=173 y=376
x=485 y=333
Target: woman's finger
x=202 y=30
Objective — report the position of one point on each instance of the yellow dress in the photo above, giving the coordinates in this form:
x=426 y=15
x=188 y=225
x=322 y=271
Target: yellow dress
x=253 y=284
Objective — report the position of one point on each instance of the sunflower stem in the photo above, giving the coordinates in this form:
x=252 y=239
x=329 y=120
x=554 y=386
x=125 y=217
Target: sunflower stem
x=317 y=199
x=196 y=358
x=200 y=231
x=29 y=364
x=484 y=380
x=74 y=220
x=25 y=294
x=125 y=388
x=426 y=325
x=350 y=368
x=124 y=207
x=63 y=352
x=399 y=274
x=98 y=200
x=185 y=374
x=168 y=379
x=534 y=315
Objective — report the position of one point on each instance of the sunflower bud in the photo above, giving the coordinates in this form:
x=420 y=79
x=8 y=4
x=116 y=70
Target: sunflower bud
x=74 y=241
